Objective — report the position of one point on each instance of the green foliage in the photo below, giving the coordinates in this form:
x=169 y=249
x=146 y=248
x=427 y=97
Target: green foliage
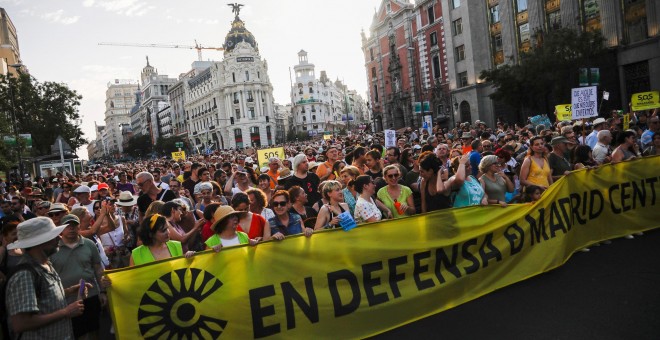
x=165 y=146
x=139 y=146
x=44 y=110
x=545 y=75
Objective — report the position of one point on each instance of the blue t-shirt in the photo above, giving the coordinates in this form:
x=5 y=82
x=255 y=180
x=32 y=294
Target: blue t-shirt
x=294 y=227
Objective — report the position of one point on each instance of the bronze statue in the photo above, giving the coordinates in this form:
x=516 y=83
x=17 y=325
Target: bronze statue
x=235 y=7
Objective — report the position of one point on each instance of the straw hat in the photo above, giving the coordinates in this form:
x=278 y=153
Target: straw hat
x=34 y=232
x=223 y=212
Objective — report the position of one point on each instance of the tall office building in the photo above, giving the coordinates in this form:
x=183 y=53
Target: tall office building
x=119 y=99
x=9 y=52
x=485 y=34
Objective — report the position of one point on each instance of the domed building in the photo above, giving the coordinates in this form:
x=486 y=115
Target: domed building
x=230 y=104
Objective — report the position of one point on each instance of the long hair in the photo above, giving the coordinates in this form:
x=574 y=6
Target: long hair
x=530 y=151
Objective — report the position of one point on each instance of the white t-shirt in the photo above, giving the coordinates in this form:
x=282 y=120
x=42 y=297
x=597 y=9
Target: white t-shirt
x=364 y=210
x=230 y=242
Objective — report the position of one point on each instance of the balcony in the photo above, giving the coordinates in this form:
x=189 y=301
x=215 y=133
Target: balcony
x=496 y=28
x=235 y=101
x=522 y=17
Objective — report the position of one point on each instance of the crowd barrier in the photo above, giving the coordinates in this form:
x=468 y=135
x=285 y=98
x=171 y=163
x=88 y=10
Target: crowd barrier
x=382 y=275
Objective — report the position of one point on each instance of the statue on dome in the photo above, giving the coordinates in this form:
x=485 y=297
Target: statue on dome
x=235 y=7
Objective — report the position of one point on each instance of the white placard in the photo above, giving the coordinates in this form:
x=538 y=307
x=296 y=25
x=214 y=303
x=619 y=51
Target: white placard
x=390 y=138
x=428 y=119
x=585 y=102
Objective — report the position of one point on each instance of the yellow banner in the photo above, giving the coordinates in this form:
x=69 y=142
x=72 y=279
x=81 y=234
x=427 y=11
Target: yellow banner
x=645 y=100
x=382 y=275
x=626 y=121
x=179 y=155
x=265 y=154
x=563 y=112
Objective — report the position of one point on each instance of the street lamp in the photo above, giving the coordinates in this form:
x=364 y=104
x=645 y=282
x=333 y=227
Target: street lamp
x=13 y=118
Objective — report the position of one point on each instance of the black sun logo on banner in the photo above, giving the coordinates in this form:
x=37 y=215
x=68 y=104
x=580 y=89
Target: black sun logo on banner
x=170 y=308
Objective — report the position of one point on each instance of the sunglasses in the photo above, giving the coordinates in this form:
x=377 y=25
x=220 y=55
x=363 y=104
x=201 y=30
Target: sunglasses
x=392 y=176
x=279 y=204
x=53 y=214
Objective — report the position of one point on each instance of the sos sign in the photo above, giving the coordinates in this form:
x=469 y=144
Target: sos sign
x=645 y=101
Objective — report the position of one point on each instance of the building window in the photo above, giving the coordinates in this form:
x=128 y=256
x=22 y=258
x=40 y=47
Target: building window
x=388 y=8
x=430 y=14
x=497 y=43
x=460 y=53
x=255 y=138
x=371 y=53
x=247 y=75
x=376 y=93
x=521 y=5
x=233 y=77
x=554 y=20
x=434 y=39
x=635 y=20
x=238 y=114
x=524 y=32
x=252 y=115
x=495 y=14
x=238 y=138
x=462 y=79
x=457 y=26
x=456 y=3
x=373 y=72
x=436 y=67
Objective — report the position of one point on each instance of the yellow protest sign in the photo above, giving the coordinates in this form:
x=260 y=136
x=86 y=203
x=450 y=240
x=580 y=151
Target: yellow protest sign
x=381 y=275
x=264 y=154
x=626 y=121
x=179 y=155
x=645 y=100
x=327 y=137
x=563 y=112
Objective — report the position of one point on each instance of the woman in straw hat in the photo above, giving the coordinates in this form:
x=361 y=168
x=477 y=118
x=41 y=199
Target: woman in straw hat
x=225 y=225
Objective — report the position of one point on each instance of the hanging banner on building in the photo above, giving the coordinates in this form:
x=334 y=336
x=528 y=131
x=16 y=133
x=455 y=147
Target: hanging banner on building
x=179 y=156
x=390 y=138
x=382 y=275
x=645 y=101
x=584 y=102
x=563 y=112
x=264 y=155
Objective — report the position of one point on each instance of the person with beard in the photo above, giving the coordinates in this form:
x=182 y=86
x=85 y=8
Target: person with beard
x=35 y=297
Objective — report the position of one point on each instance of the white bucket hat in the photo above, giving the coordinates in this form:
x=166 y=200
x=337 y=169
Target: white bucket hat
x=34 y=232
x=126 y=199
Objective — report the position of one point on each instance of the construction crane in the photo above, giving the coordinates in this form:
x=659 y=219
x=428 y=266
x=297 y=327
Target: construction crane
x=197 y=47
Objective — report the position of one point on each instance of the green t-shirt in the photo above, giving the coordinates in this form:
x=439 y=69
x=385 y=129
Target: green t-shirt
x=384 y=197
x=215 y=239
x=142 y=254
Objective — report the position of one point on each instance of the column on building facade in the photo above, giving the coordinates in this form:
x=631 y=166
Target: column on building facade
x=536 y=10
x=611 y=25
x=570 y=14
x=653 y=17
x=509 y=31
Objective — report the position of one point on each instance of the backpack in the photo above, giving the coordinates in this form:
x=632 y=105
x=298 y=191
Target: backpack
x=38 y=283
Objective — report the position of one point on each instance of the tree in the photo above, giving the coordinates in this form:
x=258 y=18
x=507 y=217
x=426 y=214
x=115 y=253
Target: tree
x=165 y=146
x=547 y=72
x=139 y=146
x=44 y=110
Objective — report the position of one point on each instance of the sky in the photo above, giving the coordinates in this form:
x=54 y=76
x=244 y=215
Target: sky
x=58 y=40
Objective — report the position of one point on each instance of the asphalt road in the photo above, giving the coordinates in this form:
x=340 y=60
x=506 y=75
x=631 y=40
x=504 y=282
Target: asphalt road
x=611 y=292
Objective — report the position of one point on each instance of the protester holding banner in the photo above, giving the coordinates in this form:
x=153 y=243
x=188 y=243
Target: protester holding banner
x=225 y=230
x=348 y=175
x=493 y=181
x=654 y=149
x=366 y=209
x=654 y=128
x=285 y=223
x=156 y=243
x=582 y=158
x=300 y=204
x=625 y=150
x=328 y=217
x=535 y=169
x=396 y=197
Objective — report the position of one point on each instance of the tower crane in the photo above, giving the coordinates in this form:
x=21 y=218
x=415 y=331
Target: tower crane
x=197 y=46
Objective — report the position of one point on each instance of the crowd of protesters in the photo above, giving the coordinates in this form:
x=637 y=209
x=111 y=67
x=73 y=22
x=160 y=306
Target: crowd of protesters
x=119 y=215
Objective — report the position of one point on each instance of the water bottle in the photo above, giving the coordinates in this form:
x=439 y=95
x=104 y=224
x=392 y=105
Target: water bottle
x=397 y=205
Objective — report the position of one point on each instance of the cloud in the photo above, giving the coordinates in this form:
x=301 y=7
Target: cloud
x=121 y=7
x=58 y=17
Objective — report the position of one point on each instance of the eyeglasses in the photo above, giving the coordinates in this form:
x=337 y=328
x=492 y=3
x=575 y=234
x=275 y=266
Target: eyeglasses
x=279 y=204
x=392 y=176
x=53 y=214
x=140 y=184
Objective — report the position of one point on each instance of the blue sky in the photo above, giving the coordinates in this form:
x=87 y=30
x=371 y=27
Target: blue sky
x=59 y=40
